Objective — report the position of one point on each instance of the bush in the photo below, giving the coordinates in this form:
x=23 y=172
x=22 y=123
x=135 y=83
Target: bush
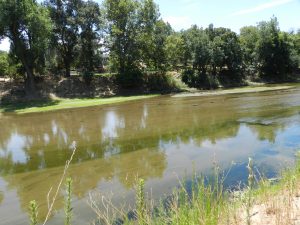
x=199 y=80
x=87 y=77
x=130 y=79
x=188 y=77
x=159 y=81
x=4 y=64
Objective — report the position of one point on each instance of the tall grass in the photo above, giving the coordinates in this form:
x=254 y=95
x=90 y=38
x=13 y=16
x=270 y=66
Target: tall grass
x=140 y=202
x=33 y=210
x=68 y=199
x=204 y=202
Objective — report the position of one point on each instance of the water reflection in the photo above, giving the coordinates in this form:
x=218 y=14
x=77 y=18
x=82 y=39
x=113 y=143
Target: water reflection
x=154 y=139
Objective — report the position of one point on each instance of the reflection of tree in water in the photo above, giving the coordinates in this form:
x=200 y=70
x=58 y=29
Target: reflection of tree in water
x=101 y=133
x=266 y=132
x=44 y=139
x=119 y=142
x=87 y=176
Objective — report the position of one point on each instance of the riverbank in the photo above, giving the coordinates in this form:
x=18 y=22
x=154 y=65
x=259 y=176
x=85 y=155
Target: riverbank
x=64 y=103
x=57 y=94
x=260 y=202
x=238 y=90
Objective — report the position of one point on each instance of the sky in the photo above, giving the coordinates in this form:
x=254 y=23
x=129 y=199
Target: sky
x=233 y=14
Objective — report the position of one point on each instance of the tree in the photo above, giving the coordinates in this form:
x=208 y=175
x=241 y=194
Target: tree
x=66 y=30
x=202 y=53
x=233 y=54
x=174 y=49
x=217 y=55
x=274 y=51
x=152 y=35
x=248 y=38
x=124 y=24
x=158 y=53
x=26 y=24
x=295 y=39
x=90 y=26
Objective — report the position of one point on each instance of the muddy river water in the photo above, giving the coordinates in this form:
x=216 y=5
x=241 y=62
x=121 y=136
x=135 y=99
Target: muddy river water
x=161 y=139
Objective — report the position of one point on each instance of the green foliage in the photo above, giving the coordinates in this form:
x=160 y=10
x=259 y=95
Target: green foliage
x=196 y=79
x=160 y=81
x=65 y=16
x=214 y=55
x=250 y=189
x=274 y=51
x=137 y=38
x=25 y=23
x=140 y=203
x=33 y=209
x=90 y=25
x=130 y=38
x=123 y=19
x=130 y=78
x=174 y=49
x=68 y=199
x=249 y=37
x=4 y=64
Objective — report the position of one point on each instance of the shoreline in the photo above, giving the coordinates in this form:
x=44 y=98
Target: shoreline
x=235 y=90
x=54 y=103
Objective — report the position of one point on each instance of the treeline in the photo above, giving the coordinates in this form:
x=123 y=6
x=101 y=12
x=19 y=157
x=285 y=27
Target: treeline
x=215 y=56
x=129 y=38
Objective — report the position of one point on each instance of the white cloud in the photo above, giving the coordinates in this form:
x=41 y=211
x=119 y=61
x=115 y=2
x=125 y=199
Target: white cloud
x=262 y=7
x=179 y=22
x=4 y=45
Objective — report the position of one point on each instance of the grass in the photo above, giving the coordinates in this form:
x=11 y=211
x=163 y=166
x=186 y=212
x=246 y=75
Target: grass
x=205 y=202
x=64 y=103
x=261 y=202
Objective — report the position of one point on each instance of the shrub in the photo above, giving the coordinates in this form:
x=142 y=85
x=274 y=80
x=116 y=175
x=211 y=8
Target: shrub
x=130 y=79
x=159 y=81
x=87 y=77
x=199 y=80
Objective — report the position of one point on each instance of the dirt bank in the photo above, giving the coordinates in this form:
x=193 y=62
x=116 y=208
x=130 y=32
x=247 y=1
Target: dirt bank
x=240 y=90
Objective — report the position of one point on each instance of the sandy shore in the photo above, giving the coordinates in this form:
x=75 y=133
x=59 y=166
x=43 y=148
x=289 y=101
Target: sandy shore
x=241 y=90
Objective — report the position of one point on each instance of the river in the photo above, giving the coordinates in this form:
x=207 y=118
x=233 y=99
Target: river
x=162 y=140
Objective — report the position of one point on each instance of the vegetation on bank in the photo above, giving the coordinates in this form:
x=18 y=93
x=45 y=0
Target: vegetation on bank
x=203 y=201
x=63 y=103
x=130 y=38
x=53 y=104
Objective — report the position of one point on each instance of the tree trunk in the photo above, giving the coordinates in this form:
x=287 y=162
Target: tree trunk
x=29 y=82
x=68 y=69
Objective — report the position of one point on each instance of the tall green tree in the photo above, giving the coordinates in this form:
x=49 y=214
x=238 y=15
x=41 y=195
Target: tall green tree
x=233 y=53
x=249 y=39
x=202 y=53
x=159 y=55
x=137 y=37
x=152 y=34
x=217 y=55
x=90 y=35
x=26 y=24
x=65 y=15
x=123 y=19
x=274 y=51
x=174 y=50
